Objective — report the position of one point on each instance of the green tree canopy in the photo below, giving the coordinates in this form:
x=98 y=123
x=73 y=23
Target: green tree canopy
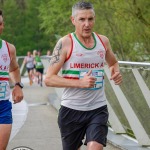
x=125 y=23
x=38 y=24
x=22 y=26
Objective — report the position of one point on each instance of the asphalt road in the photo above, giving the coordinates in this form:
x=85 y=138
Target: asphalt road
x=40 y=131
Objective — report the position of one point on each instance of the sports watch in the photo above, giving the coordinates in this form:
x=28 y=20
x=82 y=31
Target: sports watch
x=19 y=84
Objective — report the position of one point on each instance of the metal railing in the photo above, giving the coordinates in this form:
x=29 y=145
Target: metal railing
x=128 y=104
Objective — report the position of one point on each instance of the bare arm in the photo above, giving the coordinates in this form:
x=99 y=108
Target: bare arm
x=14 y=67
x=60 y=53
x=25 y=60
x=14 y=72
x=112 y=62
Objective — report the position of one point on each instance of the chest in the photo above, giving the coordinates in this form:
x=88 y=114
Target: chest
x=4 y=57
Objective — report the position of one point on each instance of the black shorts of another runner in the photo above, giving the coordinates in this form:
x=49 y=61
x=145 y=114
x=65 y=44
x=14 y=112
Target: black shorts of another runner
x=76 y=125
x=41 y=70
x=28 y=69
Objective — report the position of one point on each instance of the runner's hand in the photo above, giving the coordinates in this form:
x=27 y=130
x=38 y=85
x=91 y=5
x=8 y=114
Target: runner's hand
x=17 y=94
x=88 y=81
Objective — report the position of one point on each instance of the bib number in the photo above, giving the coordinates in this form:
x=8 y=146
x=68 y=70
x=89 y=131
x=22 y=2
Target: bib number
x=39 y=64
x=3 y=90
x=98 y=74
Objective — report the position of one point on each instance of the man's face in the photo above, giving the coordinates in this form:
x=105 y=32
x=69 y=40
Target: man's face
x=84 y=21
x=29 y=53
x=39 y=53
x=1 y=24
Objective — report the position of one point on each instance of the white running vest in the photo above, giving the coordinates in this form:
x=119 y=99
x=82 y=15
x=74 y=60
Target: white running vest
x=82 y=60
x=30 y=61
x=4 y=71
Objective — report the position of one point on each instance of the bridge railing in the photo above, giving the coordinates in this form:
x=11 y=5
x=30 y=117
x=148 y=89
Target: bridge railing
x=128 y=104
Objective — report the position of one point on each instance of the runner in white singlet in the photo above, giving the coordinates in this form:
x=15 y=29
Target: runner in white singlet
x=29 y=62
x=9 y=69
x=80 y=56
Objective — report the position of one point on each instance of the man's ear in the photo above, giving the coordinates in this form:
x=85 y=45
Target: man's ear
x=72 y=20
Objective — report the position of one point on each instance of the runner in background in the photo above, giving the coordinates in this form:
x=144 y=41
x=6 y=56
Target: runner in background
x=39 y=68
x=9 y=69
x=48 y=53
x=35 y=79
x=29 y=62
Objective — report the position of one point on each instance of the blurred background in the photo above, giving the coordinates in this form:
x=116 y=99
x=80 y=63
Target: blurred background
x=32 y=24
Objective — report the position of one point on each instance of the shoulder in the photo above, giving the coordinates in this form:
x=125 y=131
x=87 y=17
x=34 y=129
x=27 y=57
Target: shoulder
x=104 y=40
x=26 y=57
x=12 y=49
x=66 y=40
x=36 y=57
x=65 y=43
x=11 y=46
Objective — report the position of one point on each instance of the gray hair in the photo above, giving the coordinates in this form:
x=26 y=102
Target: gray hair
x=81 y=6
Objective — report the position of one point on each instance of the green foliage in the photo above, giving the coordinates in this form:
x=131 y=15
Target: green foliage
x=38 y=24
x=22 y=26
x=55 y=16
x=125 y=23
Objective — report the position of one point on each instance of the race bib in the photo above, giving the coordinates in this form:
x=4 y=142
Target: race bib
x=39 y=64
x=2 y=90
x=98 y=74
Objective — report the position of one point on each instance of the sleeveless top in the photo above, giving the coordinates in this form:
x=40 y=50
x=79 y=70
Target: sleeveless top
x=80 y=61
x=4 y=71
x=30 y=62
x=39 y=63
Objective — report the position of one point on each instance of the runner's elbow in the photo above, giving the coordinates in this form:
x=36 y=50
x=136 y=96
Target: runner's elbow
x=47 y=81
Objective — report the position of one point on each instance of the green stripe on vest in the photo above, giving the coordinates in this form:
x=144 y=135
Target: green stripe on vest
x=70 y=72
x=4 y=73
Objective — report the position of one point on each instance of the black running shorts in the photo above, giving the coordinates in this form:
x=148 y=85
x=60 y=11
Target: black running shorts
x=41 y=70
x=28 y=69
x=75 y=125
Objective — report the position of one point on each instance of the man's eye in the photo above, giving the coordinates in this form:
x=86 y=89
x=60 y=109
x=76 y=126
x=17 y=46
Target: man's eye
x=81 y=19
x=90 y=19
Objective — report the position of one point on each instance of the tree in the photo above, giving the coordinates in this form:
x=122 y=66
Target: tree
x=22 y=26
x=124 y=22
x=55 y=18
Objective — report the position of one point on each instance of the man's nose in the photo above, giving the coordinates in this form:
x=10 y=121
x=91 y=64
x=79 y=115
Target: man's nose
x=86 y=23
